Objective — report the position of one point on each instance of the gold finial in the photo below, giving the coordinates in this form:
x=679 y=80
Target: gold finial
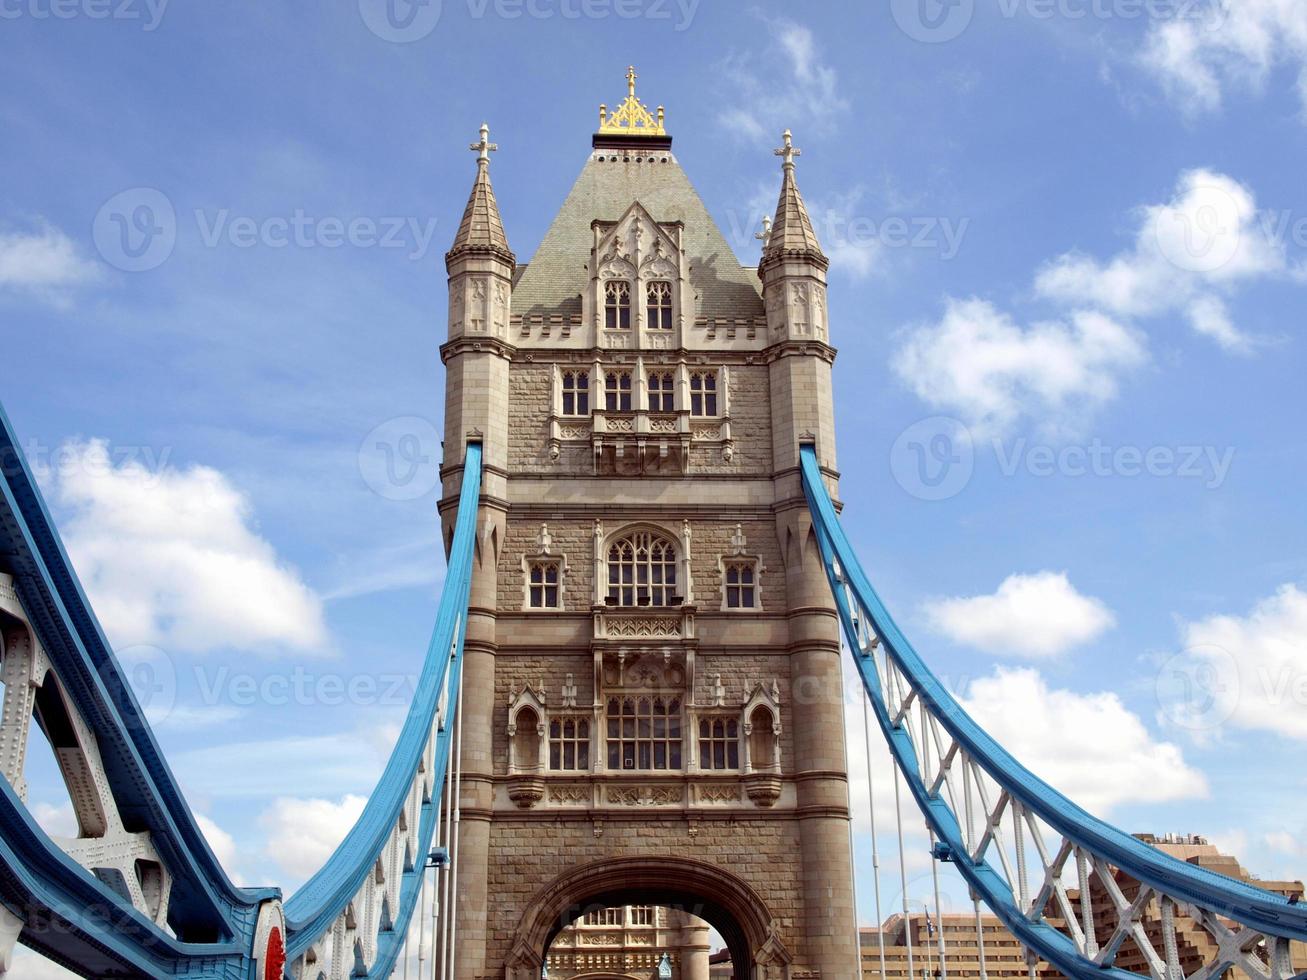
x=788 y=152
x=631 y=118
x=485 y=147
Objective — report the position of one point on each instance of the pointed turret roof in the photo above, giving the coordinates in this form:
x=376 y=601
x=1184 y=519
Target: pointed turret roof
x=482 y=230
x=791 y=230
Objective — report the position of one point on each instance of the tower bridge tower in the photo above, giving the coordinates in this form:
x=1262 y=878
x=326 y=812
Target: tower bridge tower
x=653 y=708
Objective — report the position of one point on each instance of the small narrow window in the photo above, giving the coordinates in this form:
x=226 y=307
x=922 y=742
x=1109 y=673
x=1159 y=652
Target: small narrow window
x=576 y=393
x=569 y=744
x=659 y=306
x=741 y=591
x=703 y=394
x=719 y=743
x=617 y=305
x=617 y=391
x=661 y=392
x=543 y=585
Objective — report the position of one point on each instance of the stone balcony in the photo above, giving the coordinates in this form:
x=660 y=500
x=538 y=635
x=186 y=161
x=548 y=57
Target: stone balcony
x=640 y=441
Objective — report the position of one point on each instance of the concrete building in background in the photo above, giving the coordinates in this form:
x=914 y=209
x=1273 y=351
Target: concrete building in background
x=1005 y=957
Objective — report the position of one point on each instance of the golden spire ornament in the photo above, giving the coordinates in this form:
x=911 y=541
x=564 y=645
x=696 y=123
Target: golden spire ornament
x=632 y=117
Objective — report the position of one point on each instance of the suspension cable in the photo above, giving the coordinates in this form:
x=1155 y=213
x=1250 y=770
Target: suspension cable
x=939 y=915
x=903 y=871
x=434 y=869
x=455 y=872
x=970 y=838
x=875 y=848
x=853 y=876
x=439 y=940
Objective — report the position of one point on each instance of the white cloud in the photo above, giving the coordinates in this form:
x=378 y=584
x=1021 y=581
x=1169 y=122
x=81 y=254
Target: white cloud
x=1240 y=44
x=43 y=261
x=57 y=820
x=1081 y=743
x=1187 y=255
x=221 y=843
x=980 y=364
x=303 y=833
x=32 y=966
x=1039 y=615
x=793 y=88
x=170 y=557
x=1262 y=659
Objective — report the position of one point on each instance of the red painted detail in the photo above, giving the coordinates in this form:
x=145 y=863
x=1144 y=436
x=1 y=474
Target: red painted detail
x=274 y=957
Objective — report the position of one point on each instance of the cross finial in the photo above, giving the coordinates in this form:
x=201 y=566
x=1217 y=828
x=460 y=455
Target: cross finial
x=485 y=147
x=631 y=76
x=764 y=235
x=788 y=152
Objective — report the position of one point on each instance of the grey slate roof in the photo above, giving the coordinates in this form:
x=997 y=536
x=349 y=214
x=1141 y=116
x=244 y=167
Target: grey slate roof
x=556 y=276
x=791 y=231
x=481 y=227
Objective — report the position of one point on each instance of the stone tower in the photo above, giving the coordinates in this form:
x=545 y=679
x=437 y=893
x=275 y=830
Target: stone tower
x=652 y=689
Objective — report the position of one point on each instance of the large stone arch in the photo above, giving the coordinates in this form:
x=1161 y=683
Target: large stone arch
x=724 y=900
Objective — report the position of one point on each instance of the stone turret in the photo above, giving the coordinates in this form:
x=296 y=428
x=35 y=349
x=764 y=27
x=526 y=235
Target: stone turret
x=477 y=356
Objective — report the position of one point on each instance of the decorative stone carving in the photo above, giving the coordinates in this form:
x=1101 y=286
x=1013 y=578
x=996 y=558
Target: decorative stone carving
x=526 y=791
x=645 y=795
x=569 y=793
x=718 y=793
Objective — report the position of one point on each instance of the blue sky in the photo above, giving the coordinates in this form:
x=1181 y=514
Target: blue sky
x=1069 y=243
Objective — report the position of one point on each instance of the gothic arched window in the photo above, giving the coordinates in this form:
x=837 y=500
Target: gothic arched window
x=703 y=394
x=662 y=396
x=642 y=570
x=617 y=391
x=658 y=297
x=617 y=304
x=576 y=393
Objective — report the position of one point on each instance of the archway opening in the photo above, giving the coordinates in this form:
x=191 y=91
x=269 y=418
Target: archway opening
x=691 y=891
x=638 y=942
